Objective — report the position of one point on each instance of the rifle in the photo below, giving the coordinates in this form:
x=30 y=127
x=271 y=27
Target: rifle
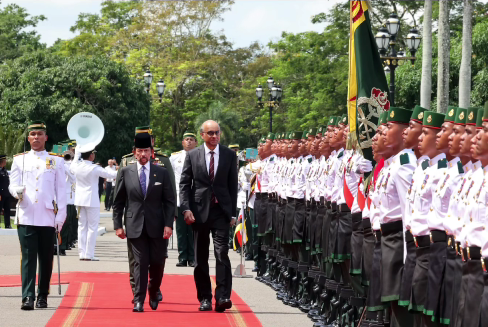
x=57 y=248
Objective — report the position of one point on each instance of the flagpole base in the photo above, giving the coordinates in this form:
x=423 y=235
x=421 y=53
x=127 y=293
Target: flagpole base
x=240 y=272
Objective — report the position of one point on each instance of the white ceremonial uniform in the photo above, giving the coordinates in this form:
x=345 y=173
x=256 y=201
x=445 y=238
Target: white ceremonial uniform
x=70 y=184
x=374 y=195
x=336 y=177
x=423 y=197
x=298 y=179
x=44 y=179
x=87 y=176
x=454 y=222
x=418 y=173
x=339 y=178
x=448 y=181
x=476 y=210
x=330 y=175
x=243 y=188
x=394 y=188
x=177 y=161
x=352 y=179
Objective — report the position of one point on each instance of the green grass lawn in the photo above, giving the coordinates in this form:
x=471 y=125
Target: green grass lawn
x=2 y=225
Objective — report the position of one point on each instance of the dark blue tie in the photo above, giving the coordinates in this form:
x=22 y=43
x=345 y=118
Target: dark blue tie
x=142 y=179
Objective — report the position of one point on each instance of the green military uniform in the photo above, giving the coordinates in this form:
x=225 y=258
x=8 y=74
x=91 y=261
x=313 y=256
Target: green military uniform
x=159 y=159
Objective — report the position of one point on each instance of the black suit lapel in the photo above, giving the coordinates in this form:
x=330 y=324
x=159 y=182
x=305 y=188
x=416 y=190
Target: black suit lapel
x=152 y=178
x=202 y=160
x=135 y=179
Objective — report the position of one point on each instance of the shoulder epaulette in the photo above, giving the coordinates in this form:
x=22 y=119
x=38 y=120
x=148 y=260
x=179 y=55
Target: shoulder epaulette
x=404 y=159
x=127 y=155
x=340 y=155
x=309 y=160
x=442 y=164
x=271 y=159
x=425 y=164
x=460 y=167
x=177 y=152
x=18 y=154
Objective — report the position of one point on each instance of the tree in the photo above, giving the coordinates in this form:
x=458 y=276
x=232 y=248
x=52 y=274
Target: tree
x=426 y=83
x=465 y=70
x=443 y=55
x=46 y=86
x=15 y=40
x=227 y=120
x=11 y=142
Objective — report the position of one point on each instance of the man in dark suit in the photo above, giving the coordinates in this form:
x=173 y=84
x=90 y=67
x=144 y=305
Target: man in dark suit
x=208 y=199
x=4 y=193
x=146 y=193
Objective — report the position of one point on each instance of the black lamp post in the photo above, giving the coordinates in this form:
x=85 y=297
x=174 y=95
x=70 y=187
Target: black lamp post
x=275 y=94
x=386 y=40
x=148 y=77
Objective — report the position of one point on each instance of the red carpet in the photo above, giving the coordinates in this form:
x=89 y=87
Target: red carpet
x=101 y=299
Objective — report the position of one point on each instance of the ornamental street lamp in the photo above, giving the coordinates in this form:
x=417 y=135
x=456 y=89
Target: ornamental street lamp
x=148 y=77
x=160 y=86
x=275 y=94
x=385 y=40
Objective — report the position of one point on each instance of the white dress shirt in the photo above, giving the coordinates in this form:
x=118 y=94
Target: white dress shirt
x=208 y=155
x=146 y=172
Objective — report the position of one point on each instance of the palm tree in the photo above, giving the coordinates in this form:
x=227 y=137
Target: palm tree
x=228 y=121
x=426 y=82
x=465 y=69
x=443 y=53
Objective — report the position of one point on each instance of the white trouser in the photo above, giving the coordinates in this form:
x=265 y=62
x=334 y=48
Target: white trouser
x=88 y=220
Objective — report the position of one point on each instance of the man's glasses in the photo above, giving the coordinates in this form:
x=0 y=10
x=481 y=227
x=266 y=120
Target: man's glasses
x=212 y=133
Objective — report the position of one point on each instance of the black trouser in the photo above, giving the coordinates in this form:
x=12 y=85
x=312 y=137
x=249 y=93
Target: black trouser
x=149 y=256
x=249 y=218
x=218 y=225
x=5 y=205
x=108 y=198
x=36 y=242
x=184 y=236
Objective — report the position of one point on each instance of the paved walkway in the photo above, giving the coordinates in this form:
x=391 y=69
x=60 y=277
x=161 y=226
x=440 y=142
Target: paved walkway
x=112 y=252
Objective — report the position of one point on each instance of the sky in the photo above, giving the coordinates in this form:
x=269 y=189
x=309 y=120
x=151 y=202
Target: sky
x=248 y=21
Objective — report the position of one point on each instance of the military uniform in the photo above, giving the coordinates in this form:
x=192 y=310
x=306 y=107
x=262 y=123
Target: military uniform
x=4 y=194
x=42 y=177
x=184 y=232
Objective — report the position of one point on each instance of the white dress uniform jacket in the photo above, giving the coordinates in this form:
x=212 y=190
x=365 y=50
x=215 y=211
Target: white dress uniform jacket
x=177 y=161
x=87 y=175
x=70 y=183
x=45 y=182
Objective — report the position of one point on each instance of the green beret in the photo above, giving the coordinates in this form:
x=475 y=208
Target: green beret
x=295 y=135
x=472 y=116
x=382 y=120
x=233 y=146
x=461 y=116
x=37 y=125
x=305 y=135
x=271 y=136
x=433 y=119
x=312 y=131
x=144 y=129
x=451 y=114
x=332 y=121
x=189 y=134
x=418 y=114
x=479 y=118
x=343 y=120
x=321 y=130
x=399 y=115
x=485 y=112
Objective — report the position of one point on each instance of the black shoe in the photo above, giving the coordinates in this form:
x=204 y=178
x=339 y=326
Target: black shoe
x=205 y=305
x=191 y=264
x=181 y=264
x=160 y=296
x=153 y=303
x=8 y=227
x=255 y=269
x=62 y=252
x=249 y=257
x=223 y=304
x=41 y=302
x=239 y=250
x=138 y=307
x=27 y=304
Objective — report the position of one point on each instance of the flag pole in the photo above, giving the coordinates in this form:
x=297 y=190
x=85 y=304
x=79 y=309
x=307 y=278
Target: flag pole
x=240 y=271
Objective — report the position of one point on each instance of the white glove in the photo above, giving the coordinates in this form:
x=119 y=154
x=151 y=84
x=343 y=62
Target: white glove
x=59 y=226
x=364 y=166
x=19 y=190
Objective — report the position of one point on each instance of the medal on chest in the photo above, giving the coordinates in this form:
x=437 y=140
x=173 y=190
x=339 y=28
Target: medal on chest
x=50 y=163
x=386 y=182
x=444 y=183
x=425 y=181
x=469 y=189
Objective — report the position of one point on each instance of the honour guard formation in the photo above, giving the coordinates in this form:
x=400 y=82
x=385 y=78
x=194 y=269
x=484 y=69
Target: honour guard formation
x=403 y=243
